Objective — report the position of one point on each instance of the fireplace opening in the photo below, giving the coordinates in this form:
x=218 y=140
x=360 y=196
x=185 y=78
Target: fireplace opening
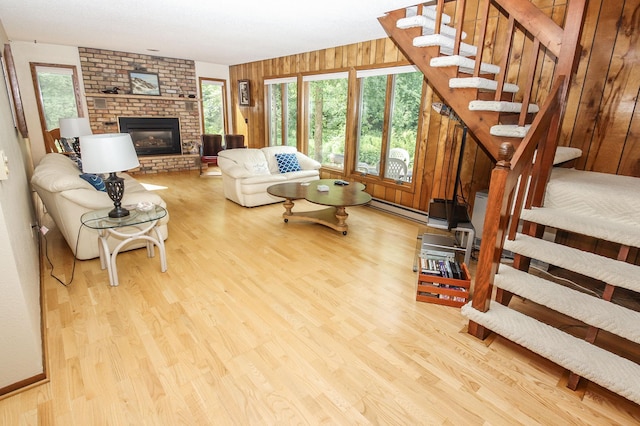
x=153 y=136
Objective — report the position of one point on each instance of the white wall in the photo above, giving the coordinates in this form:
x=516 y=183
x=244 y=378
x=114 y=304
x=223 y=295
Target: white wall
x=26 y=52
x=20 y=332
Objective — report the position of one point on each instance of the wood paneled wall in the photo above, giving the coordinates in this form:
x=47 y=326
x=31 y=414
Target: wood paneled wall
x=602 y=115
x=433 y=151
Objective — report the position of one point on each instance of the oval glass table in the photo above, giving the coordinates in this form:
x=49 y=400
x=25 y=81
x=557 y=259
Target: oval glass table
x=138 y=225
x=337 y=198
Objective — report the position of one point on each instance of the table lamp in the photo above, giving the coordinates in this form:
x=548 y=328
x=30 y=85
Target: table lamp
x=110 y=153
x=73 y=128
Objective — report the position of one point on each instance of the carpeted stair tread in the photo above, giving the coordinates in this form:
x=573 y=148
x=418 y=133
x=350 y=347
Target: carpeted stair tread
x=428 y=11
x=428 y=26
x=589 y=309
x=446 y=44
x=465 y=65
x=501 y=106
x=604 y=196
x=480 y=84
x=604 y=368
x=608 y=230
x=611 y=271
x=510 y=130
x=566 y=153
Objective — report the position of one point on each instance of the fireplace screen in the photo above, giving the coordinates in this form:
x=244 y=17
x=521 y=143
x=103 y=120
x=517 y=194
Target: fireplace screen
x=153 y=136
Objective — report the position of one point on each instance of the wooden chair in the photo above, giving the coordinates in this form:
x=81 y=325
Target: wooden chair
x=234 y=141
x=209 y=148
x=52 y=141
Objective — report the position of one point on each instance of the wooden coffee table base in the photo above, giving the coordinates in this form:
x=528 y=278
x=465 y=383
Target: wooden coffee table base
x=333 y=217
x=336 y=198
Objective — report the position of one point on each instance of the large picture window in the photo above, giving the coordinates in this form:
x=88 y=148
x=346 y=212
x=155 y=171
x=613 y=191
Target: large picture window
x=327 y=117
x=282 y=111
x=389 y=109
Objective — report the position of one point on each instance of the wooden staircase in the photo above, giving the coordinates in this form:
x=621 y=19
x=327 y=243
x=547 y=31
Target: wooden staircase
x=489 y=61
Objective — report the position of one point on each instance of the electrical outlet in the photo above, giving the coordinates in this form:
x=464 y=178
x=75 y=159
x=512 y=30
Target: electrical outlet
x=4 y=166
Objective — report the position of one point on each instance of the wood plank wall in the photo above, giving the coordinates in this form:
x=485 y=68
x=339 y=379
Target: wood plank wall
x=432 y=153
x=602 y=115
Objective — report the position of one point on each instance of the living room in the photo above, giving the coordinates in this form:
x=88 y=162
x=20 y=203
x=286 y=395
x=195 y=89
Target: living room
x=329 y=249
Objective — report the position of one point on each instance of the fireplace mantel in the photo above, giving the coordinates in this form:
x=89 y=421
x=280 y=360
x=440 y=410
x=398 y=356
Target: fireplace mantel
x=146 y=97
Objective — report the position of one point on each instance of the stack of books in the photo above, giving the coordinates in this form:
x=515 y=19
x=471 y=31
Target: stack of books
x=441 y=264
x=442 y=280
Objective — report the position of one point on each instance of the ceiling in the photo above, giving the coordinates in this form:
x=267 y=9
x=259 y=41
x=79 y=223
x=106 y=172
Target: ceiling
x=214 y=31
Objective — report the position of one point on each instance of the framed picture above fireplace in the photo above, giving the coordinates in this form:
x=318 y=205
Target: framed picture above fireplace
x=144 y=83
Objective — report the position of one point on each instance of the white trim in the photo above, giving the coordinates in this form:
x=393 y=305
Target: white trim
x=328 y=76
x=54 y=70
x=280 y=80
x=373 y=72
x=212 y=82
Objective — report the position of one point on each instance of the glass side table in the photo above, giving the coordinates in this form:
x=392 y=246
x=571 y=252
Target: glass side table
x=139 y=225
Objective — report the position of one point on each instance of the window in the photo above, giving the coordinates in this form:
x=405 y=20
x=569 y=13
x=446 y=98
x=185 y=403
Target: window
x=58 y=93
x=389 y=109
x=213 y=93
x=282 y=111
x=327 y=118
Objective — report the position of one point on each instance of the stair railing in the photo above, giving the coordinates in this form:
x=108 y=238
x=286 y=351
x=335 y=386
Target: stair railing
x=511 y=187
x=516 y=175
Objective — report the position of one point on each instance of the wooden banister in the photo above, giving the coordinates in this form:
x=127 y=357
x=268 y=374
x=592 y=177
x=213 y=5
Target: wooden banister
x=535 y=22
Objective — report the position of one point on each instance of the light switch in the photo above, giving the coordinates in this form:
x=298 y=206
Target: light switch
x=4 y=166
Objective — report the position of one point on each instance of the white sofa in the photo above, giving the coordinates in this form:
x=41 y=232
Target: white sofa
x=247 y=173
x=66 y=197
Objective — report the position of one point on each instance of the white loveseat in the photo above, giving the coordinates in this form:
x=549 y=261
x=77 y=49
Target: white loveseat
x=247 y=173
x=66 y=197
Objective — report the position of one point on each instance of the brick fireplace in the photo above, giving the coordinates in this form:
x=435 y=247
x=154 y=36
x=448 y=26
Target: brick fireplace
x=106 y=69
x=153 y=135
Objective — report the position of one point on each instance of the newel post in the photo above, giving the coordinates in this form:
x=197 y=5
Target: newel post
x=495 y=227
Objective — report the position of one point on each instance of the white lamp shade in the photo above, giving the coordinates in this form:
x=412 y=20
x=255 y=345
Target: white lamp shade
x=107 y=153
x=74 y=127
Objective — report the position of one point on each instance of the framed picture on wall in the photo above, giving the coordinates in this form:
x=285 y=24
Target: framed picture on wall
x=144 y=83
x=14 y=91
x=244 y=93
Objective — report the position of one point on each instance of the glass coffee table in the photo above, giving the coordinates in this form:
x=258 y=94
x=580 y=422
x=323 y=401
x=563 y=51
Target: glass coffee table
x=338 y=198
x=138 y=225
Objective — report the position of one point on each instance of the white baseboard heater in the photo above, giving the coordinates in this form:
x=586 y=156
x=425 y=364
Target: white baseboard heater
x=403 y=211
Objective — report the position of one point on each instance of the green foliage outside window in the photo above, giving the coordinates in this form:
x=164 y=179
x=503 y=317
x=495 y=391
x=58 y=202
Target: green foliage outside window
x=213 y=108
x=279 y=110
x=58 y=98
x=403 y=117
x=328 y=121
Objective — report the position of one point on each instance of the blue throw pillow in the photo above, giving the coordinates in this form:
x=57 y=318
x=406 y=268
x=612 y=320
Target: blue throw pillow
x=287 y=163
x=95 y=180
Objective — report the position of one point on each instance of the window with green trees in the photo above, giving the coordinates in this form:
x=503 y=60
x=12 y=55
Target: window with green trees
x=389 y=110
x=282 y=111
x=213 y=93
x=57 y=87
x=327 y=119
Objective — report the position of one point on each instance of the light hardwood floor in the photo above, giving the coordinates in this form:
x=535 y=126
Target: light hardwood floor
x=265 y=323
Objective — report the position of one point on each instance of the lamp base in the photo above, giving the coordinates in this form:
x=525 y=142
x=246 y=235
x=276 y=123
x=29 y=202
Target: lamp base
x=119 y=212
x=115 y=189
